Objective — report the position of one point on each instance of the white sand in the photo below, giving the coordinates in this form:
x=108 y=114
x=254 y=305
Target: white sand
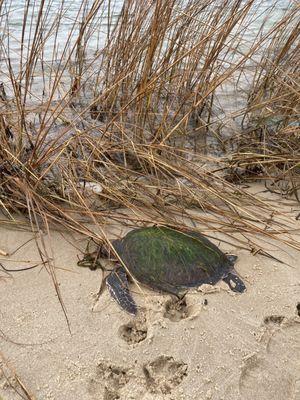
x=236 y=347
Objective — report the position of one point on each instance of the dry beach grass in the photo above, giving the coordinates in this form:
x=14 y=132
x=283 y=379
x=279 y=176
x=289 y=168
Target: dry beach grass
x=130 y=118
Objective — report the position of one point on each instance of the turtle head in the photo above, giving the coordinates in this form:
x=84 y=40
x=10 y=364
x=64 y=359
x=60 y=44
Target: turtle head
x=231 y=258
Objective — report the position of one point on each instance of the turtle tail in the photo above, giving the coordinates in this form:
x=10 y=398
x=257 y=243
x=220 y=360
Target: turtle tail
x=117 y=285
x=234 y=282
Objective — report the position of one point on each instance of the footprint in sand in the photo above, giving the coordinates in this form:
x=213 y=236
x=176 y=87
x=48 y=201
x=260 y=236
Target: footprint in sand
x=274 y=374
x=185 y=308
x=176 y=310
x=107 y=381
x=163 y=374
x=135 y=331
x=110 y=382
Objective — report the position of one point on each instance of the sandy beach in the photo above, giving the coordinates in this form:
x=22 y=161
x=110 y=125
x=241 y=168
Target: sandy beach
x=216 y=345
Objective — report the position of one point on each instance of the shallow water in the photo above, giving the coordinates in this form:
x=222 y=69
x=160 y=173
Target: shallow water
x=72 y=13
x=59 y=48
x=69 y=23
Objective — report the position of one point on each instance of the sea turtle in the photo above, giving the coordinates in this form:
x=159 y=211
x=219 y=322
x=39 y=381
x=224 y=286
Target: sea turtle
x=166 y=260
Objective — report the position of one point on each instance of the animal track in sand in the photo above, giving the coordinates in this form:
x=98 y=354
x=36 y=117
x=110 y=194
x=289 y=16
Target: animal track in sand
x=135 y=331
x=108 y=380
x=272 y=373
x=163 y=374
x=176 y=310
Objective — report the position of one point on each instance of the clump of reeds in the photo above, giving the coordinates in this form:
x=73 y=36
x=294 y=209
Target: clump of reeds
x=268 y=147
x=130 y=120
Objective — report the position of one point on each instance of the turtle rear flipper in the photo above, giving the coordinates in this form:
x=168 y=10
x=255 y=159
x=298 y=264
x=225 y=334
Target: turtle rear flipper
x=117 y=285
x=234 y=282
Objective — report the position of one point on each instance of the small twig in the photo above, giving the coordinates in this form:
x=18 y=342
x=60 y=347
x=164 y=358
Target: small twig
x=24 y=394
x=22 y=245
x=21 y=269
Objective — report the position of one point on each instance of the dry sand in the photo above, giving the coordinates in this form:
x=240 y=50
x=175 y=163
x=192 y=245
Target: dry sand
x=218 y=346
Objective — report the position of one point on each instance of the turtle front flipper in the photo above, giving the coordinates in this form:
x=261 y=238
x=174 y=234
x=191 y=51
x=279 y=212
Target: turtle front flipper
x=234 y=282
x=117 y=284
